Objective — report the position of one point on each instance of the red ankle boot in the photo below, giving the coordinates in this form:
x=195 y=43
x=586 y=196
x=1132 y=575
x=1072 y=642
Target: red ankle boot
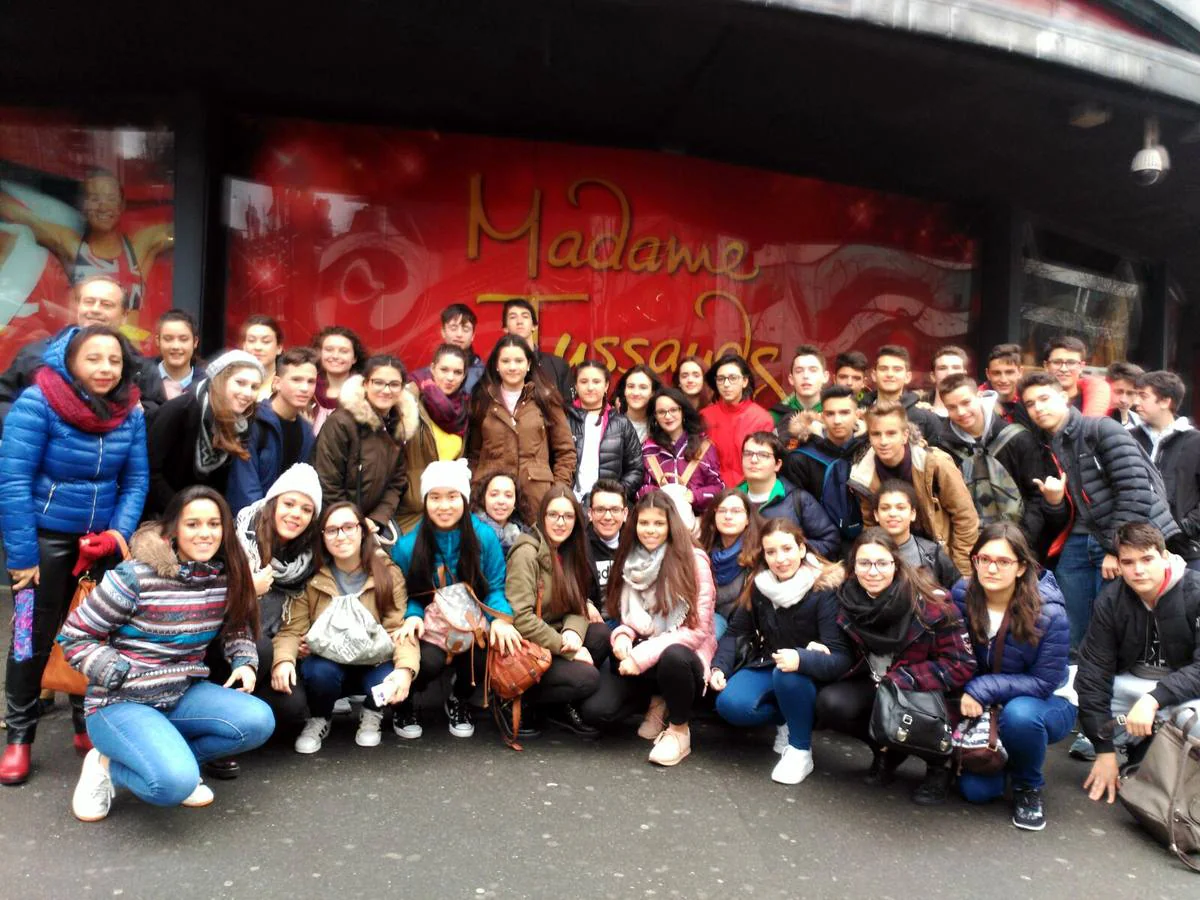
x=82 y=743
x=14 y=764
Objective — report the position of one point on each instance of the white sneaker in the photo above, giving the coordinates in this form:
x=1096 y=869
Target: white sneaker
x=315 y=731
x=342 y=707
x=793 y=767
x=368 y=734
x=201 y=796
x=781 y=738
x=94 y=792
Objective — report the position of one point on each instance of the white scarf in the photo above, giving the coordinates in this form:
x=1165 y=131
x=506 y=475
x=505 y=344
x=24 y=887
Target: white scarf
x=639 y=601
x=784 y=594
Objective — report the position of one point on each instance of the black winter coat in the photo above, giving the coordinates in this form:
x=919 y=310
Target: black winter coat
x=171 y=447
x=1178 y=459
x=1107 y=481
x=620 y=449
x=937 y=561
x=1116 y=638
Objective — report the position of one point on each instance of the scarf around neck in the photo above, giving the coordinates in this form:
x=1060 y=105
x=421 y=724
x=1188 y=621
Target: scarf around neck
x=448 y=412
x=784 y=594
x=725 y=562
x=290 y=575
x=64 y=399
x=208 y=457
x=882 y=622
x=639 y=596
x=322 y=394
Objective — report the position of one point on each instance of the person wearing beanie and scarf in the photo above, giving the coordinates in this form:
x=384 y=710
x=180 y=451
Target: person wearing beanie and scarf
x=902 y=628
x=72 y=470
x=195 y=437
x=448 y=546
x=440 y=429
x=783 y=643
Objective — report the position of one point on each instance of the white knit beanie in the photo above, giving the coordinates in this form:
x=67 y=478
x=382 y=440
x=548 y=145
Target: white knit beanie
x=233 y=358
x=301 y=478
x=447 y=473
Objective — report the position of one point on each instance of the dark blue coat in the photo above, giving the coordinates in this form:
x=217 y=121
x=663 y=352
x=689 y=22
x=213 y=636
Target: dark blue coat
x=801 y=508
x=55 y=477
x=250 y=479
x=1026 y=670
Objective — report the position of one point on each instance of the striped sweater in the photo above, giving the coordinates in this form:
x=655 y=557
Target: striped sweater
x=141 y=635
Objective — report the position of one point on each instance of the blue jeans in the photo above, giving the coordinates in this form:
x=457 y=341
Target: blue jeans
x=325 y=681
x=1027 y=727
x=1078 y=576
x=720 y=625
x=157 y=754
x=755 y=697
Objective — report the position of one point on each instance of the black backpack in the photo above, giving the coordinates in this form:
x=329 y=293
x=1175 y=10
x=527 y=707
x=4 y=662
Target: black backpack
x=835 y=495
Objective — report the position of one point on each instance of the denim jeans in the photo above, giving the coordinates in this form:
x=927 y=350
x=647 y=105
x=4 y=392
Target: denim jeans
x=326 y=681
x=720 y=625
x=1078 y=575
x=157 y=754
x=1027 y=727
x=755 y=697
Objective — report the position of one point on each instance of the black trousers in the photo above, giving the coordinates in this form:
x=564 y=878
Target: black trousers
x=57 y=553
x=678 y=677
x=568 y=681
x=433 y=663
x=845 y=706
x=290 y=710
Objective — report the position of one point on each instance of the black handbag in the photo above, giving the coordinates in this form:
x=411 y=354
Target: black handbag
x=912 y=721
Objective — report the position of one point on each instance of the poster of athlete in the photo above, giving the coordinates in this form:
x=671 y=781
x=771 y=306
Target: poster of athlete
x=79 y=200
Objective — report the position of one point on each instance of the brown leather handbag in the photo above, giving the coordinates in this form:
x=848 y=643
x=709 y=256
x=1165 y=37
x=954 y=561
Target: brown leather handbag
x=511 y=675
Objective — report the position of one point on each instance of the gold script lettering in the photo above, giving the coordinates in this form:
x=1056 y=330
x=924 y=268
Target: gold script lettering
x=479 y=225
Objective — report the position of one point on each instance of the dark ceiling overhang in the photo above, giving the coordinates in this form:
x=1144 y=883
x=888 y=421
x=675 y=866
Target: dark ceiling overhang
x=868 y=99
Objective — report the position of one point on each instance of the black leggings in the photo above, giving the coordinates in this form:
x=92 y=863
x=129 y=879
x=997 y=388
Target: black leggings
x=678 y=677
x=567 y=681
x=290 y=710
x=845 y=706
x=433 y=663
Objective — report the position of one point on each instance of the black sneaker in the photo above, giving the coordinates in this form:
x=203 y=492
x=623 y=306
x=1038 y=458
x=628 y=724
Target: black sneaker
x=883 y=768
x=223 y=769
x=459 y=714
x=405 y=723
x=530 y=724
x=933 y=790
x=568 y=717
x=1028 y=810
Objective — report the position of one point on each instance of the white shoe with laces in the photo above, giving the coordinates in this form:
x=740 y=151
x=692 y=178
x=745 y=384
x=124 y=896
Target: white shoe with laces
x=368 y=734
x=314 y=732
x=793 y=767
x=201 y=796
x=781 y=738
x=94 y=791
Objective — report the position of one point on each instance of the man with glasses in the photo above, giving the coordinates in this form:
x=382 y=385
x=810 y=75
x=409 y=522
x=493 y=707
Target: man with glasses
x=774 y=498
x=1064 y=357
x=607 y=511
x=1106 y=481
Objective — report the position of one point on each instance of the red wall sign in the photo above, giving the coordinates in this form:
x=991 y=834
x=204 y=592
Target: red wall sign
x=631 y=256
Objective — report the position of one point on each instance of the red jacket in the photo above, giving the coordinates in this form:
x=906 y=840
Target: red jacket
x=938 y=655
x=728 y=426
x=1095 y=396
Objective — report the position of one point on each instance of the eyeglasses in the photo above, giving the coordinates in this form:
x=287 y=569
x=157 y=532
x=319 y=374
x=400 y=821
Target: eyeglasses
x=561 y=517
x=756 y=455
x=731 y=512
x=349 y=529
x=607 y=512
x=879 y=565
x=729 y=379
x=1064 y=363
x=1001 y=563
x=386 y=385
x=668 y=412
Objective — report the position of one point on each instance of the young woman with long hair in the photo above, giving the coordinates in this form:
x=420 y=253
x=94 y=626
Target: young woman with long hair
x=607 y=444
x=552 y=563
x=72 y=471
x=262 y=338
x=1033 y=666
x=729 y=533
x=194 y=438
x=904 y=628
x=783 y=643
x=734 y=415
x=632 y=394
x=495 y=504
x=661 y=590
x=518 y=424
x=352 y=565
x=447 y=547
x=678 y=451
x=341 y=354
x=689 y=379
x=140 y=638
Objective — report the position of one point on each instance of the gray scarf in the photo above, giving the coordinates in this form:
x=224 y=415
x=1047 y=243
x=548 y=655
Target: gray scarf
x=290 y=577
x=208 y=457
x=639 y=600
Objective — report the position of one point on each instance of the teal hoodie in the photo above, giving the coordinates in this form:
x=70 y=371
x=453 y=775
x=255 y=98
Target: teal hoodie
x=491 y=559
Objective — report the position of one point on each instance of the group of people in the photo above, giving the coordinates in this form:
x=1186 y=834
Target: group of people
x=307 y=525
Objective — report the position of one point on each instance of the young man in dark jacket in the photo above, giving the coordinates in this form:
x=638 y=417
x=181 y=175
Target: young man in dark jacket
x=893 y=373
x=519 y=318
x=774 y=498
x=97 y=300
x=1141 y=656
x=607 y=510
x=807 y=376
x=1174 y=447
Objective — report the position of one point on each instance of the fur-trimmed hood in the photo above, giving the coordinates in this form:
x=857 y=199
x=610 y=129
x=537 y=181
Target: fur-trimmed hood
x=150 y=547
x=831 y=577
x=353 y=399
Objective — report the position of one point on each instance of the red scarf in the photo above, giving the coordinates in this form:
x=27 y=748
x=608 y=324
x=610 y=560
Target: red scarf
x=65 y=401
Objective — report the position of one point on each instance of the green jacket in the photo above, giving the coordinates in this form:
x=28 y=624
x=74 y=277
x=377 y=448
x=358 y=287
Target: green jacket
x=530 y=567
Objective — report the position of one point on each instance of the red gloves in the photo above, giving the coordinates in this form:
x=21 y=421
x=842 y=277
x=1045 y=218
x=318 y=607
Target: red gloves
x=94 y=547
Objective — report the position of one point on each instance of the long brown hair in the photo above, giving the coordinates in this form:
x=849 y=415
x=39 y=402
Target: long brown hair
x=572 y=566
x=241 y=603
x=266 y=536
x=705 y=397
x=928 y=598
x=1026 y=602
x=775 y=526
x=677 y=578
x=225 y=434
x=710 y=538
x=371 y=558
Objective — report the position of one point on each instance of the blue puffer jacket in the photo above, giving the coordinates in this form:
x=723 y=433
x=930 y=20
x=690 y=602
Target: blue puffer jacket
x=55 y=477
x=1026 y=670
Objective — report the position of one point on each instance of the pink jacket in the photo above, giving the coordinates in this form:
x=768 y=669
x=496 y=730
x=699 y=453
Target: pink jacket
x=701 y=638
